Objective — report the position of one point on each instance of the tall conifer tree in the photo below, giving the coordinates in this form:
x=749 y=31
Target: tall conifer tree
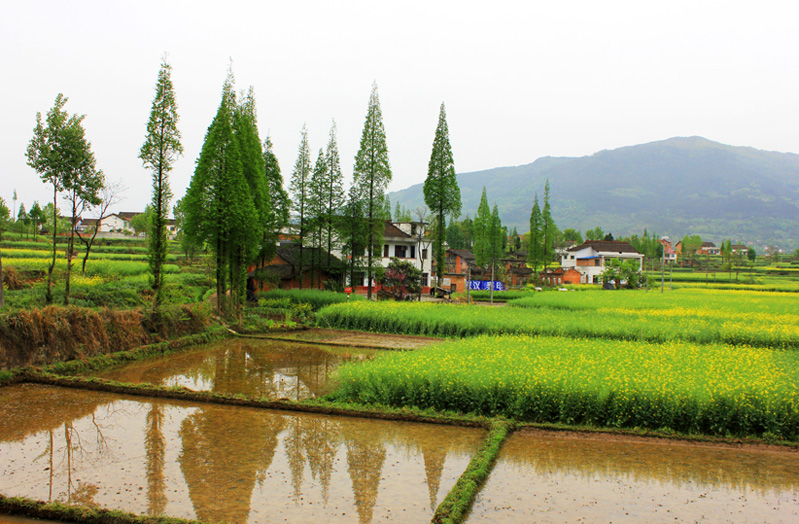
x=534 y=246
x=159 y=152
x=281 y=205
x=482 y=232
x=299 y=186
x=441 y=192
x=372 y=174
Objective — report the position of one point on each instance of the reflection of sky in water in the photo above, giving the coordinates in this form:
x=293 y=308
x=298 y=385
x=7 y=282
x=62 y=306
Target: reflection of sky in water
x=561 y=479
x=251 y=367
x=223 y=462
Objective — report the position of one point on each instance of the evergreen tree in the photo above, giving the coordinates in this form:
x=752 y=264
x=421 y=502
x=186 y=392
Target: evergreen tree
x=278 y=216
x=334 y=193
x=158 y=153
x=441 y=192
x=317 y=193
x=534 y=245
x=299 y=185
x=482 y=232
x=353 y=230
x=372 y=174
x=548 y=229
x=220 y=208
x=37 y=217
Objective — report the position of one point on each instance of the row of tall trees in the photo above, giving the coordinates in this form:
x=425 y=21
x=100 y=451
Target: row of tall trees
x=543 y=231
x=324 y=218
x=228 y=206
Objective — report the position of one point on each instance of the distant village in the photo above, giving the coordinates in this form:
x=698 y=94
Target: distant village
x=575 y=263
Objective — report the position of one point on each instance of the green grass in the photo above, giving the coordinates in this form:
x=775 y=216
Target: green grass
x=704 y=389
x=317 y=298
x=695 y=315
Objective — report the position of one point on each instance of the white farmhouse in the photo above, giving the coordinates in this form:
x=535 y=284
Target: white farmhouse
x=589 y=257
x=405 y=240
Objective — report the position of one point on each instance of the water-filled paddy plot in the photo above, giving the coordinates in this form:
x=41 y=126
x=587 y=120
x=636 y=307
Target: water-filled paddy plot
x=561 y=477
x=223 y=463
x=250 y=367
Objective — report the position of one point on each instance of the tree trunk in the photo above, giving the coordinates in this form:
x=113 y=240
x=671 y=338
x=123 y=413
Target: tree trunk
x=48 y=295
x=2 y=293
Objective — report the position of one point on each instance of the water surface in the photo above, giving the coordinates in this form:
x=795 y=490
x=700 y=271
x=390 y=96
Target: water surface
x=559 y=478
x=223 y=463
x=251 y=367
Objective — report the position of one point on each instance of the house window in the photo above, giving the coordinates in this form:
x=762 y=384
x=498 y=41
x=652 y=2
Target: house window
x=597 y=262
x=413 y=230
x=385 y=250
x=424 y=279
x=413 y=251
x=401 y=251
x=424 y=254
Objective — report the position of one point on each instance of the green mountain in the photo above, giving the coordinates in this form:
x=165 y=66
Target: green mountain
x=673 y=187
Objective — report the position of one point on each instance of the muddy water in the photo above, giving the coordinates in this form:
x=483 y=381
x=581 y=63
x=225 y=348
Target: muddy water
x=251 y=367
x=556 y=479
x=223 y=463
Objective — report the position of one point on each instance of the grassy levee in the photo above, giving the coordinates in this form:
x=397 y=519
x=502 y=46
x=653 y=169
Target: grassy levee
x=770 y=320
x=70 y=513
x=715 y=389
x=317 y=298
x=455 y=506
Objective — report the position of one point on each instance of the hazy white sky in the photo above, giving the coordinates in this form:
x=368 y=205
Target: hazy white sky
x=520 y=80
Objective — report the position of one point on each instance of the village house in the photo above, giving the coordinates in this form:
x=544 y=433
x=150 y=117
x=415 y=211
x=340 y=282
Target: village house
x=517 y=273
x=589 y=258
x=405 y=241
x=669 y=253
x=459 y=268
x=283 y=271
x=708 y=248
x=739 y=249
x=560 y=275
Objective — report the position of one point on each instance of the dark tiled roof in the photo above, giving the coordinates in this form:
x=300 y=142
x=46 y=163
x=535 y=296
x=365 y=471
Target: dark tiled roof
x=708 y=244
x=127 y=215
x=393 y=231
x=608 y=246
x=463 y=253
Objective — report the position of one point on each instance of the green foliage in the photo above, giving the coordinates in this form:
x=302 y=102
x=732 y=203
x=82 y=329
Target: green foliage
x=371 y=176
x=482 y=232
x=441 y=192
x=317 y=298
x=714 y=389
x=401 y=279
x=158 y=153
x=694 y=315
x=62 y=156
x=221 y=208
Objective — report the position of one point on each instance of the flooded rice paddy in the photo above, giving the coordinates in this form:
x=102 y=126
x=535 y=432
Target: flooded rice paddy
x=557 y=478
x=249 y=465
x=251 y=367
x=223 y=463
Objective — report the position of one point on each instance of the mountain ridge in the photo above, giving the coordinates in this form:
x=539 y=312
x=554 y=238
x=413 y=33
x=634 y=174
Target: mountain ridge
x=677 y=186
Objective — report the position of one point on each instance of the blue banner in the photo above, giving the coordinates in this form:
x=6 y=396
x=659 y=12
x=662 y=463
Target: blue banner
x=486 y=285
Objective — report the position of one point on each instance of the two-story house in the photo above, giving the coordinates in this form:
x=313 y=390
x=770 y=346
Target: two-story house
x=589 y=258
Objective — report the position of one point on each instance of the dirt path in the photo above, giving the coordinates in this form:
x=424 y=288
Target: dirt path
x=362 y=339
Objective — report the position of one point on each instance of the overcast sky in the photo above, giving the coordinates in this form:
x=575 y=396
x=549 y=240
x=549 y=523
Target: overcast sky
x=520 y=80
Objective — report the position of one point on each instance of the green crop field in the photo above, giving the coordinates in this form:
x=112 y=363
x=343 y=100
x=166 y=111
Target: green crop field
x=694 y=315
x=711 y=389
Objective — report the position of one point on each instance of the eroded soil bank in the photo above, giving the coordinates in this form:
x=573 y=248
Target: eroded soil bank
x=223 y=463
x=551 y=477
